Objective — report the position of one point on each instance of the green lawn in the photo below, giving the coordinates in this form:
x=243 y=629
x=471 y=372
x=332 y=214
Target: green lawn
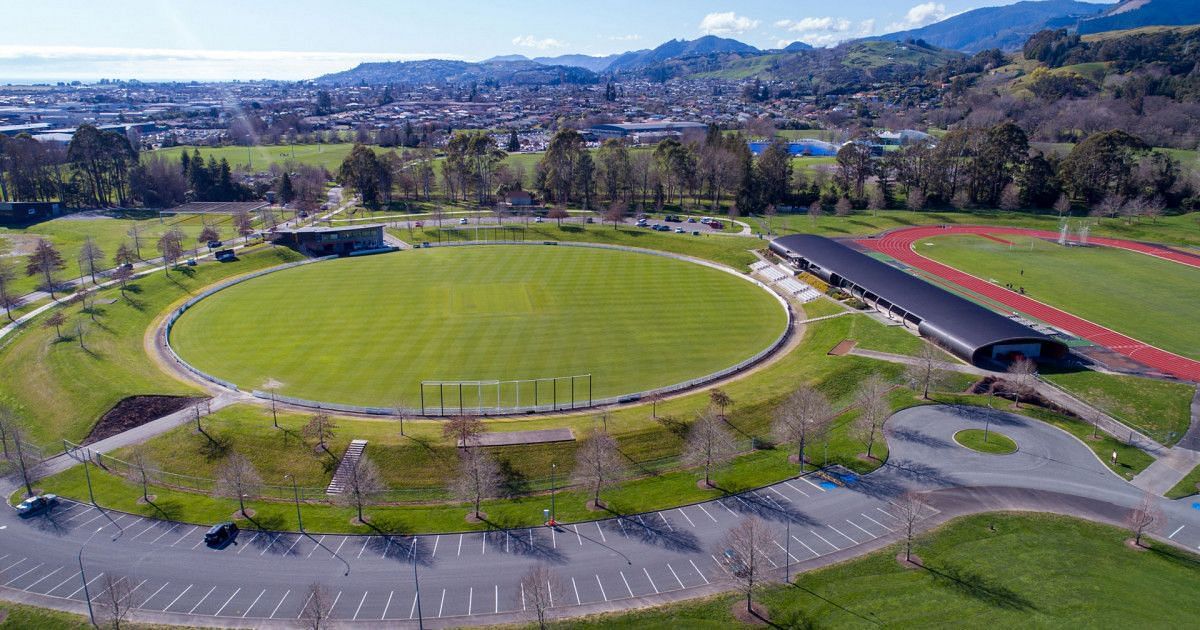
x=1188 y=486
x=990 y=570
x=383 y=324
x=1144 y=297
x=991 y=442
x=261 y=158
x=1157 y=408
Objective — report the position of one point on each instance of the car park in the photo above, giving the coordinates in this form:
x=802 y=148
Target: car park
x=221 y=534
x=36 y=505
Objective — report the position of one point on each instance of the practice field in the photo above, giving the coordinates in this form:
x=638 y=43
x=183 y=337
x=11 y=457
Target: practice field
x=1149 y=299
x=366 y=331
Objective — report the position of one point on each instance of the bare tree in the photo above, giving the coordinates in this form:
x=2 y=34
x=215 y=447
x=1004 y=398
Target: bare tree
x=720 y=399
x=243 y=224
x=114 y=600
x=317 y=606
x=464 y=430
x=538 y=585
x=873 y=409
x=44 y=261
x=135 y=232
x=122 y=275
x=558 y=214
x=143 y=465
x=741 y=550
x=29 y=457
x=272 y=386
x=1062 y=206
x=80 y=329
x=1145 y=518
x=598 y=463
x=909 y=510
x=8 y=299
x=708 y=444
x=1022 y=374
x=805 y=413
x=923 y=374
x=320 y=427
x=654 y=398
x=237 y=478
x=90 y=257
x=362 y=484
x=170 y=245
x=478 y=477
x=8 y=422
x=55 y=321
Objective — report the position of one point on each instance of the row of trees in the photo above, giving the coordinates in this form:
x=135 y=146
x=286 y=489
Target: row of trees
x=94 y=169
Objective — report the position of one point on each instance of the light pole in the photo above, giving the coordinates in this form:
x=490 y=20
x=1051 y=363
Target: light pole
x=296 y=494
x=553 y=487
x=86 y=594
x=88 y=475
x=417 y=584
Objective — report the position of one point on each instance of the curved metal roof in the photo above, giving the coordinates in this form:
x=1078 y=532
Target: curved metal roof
x=962 y=325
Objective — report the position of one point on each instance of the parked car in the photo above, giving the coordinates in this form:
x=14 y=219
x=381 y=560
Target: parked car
x=191 y=262
x=127 y=266
x=716 y=225
x=225 y=255
x=214 y=244
x=220 y=534
x=591 y=220
x=462 y=221
x=691 y=219
x=539 y=220
x=37 y=505
x=671 y=218
x=417 y=224
x=679 y=230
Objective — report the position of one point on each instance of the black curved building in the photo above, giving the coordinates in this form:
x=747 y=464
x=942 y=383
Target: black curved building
x=968 y=330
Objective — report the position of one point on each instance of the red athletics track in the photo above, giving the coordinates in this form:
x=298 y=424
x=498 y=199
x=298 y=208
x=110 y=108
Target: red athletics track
x=899 y=245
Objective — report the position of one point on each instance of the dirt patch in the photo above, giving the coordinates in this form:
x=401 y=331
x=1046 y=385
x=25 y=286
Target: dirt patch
x=913 y=562
x=1132 y=544
x=18 y=244
x=759 y=617
x=135 y=411
x=843 y=348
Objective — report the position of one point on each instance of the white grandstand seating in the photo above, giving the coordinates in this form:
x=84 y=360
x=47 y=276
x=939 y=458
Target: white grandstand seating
x=784 y=277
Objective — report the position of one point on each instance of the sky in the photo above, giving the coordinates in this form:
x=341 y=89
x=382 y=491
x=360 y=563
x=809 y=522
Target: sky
x=63 y=40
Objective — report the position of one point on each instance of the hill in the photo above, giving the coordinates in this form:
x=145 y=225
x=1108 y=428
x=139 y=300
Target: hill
x=1006 y=27
x=1131 y=14
x=433 y=71
x=678 y=49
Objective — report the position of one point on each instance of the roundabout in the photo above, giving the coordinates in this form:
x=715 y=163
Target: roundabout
x=495 y=327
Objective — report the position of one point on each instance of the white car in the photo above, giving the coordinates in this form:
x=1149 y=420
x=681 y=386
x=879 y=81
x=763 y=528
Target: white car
x=462 y=221
x=538 y=220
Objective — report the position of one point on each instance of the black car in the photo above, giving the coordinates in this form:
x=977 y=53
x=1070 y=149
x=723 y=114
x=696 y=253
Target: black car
x=214 y=244
x=220 y=534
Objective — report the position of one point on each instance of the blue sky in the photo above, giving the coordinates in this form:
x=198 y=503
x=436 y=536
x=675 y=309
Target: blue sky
x=296 y=39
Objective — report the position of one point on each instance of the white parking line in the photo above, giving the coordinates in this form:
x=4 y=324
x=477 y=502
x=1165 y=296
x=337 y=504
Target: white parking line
x=1175 y=532
x=622 y=524
x=248 y=543
x=435 y=544
x=722 y=504
x=784 y=550
x=189 y=587
x=147 y=600
x=843 y=535
x=553 y=538
x=40 y=565
x=626 y=583
x=886 y=513
x=460 y=539
x=335 y=602
x=412 y=612
x=89 y=583
x=387 y=605
x=676 y=575
x=496 y=598
x=577 y=536
x=602 y=538
x=92 y=519
x=483 y=545
x=253 y=603
x=507 y=539
x=173 y=528
x=576 y=587
x=644 y=570
x=60 y=584
x=222 y=608
x=825 y=541
x=698 y=571
x=202 y=599
x=666 y=522
x=304 y=605
x=689 y=520
x=359 y=609
x=810 y=549
x=443 y=603
x=150 y=527
x=364 y=547
x=289 y=549
x=767 y=556
x=877 y=522
x=315 y=547
x=873 y=536
x=781 y=495
x=270 y=543
x=28 y=588
x=276 y=610
x=470 y=599
x=805 y=480
x=601 y=585
x=185 y=535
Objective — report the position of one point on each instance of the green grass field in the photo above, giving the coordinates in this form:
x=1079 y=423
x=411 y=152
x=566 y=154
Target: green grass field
x=1160 y=409
x=990 y=570
x=1188 y=486
x=1104 y=285
x=260 y=158
x=367 y=331
x=992 y=443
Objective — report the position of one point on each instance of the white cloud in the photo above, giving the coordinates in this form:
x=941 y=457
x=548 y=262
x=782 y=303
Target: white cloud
x=808 y=24
x=921 y=15
x=625 y=38
x=824 y=31
x=727 y=23
x=529 y=41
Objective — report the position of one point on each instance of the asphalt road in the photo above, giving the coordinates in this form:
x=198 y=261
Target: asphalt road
x=474 y=578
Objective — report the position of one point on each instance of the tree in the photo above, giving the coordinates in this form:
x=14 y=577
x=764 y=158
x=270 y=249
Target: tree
x=362 y=483
x=1010 y=198
x=558 y=214
x=1062 y=206
x=805 y=413
x=320 y=427
x=237 y=478
x=115 y=599
x=135 y=232
x=208 y=234
x=464 y=430
x=287 y=191
x=916 y=200
x=598 y=463
x=29 y=457
x=55 y=321
x=8 y=424
x=317 y=607
x=243 y=224
x=615 y=214
x=873 y=409
x=90 y=257
x=44 y=261
x=558 y=168
x=8 y=299
x=654 y=398
x=923 y=373
x=1022 y=375
x=909 y=510
x=514 y=142
x=843 y=208
x=708 y=444
x=124 y=255
x=478 y=477
x=741 y=548
x=815 y=210
x=122 y=275
x=537 y=591
x=1102 y=165
x=1145 y=518
x=142 y=461
x=720 y=399
x=170 y=245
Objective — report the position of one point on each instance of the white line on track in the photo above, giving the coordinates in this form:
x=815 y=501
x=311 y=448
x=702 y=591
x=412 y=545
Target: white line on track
x=693 y=563
x=276 y=609
x=222 y=608
x=387 y=605
x=202 y=599
x=253 y=603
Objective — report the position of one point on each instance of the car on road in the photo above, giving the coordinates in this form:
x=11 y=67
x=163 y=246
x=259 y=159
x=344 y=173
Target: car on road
x=679 y=230
x=214 y=244
x=221 y=534
x=691 y=219
x=127 y=266
x=417 y=224
x=462 y=221
x=37 y=505
x=539 y=220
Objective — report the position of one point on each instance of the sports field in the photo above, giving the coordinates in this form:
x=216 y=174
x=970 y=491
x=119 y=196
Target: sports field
x=366 y=331
x=1149 y=299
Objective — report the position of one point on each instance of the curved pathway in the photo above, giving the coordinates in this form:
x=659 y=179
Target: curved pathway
x=618 y=563
x=899 y=245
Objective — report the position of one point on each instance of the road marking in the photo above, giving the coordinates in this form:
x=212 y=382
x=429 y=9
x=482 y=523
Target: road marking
x=470 y=599
x=89 y=582
x=483 y=545
x=602 y=538
x=173 y=528
x=666 y=522
x=685 y=516
x=40 y=565
x=359 y=609
x=185 y=535
x=698 y=570
x=5 y=569
x=676 y=576
x=335 y=602
x=781 y=496
x=435 y=544
x=248 y=543
x=270 y=543
x=886 y=513
x=289 y=549
x=222 y=608
x=550 y=593
x=253 y=603
x=577 y=536
x=722 y=504
x=598 y=583
x=202 y=599
x=531 y=538
x=189 y=587
x=413 y=611
x=873 y=536
x=152 y=525
x=877 y=522
x=496 y=598
x=522 y=596
x=1175 y=532
x=339 y=547
x=147 y=600
x=27 y=588
x=622 y=524
x=285 y=596
x=364 y=547
x=784 y=550
x=460 y=539
x=810 y=549
x=553 y=538
x=718 y=563
x=644 y=570
x=60 y=584
x=387 y=605
x=843 y=535
x=701 y=506
x=824 y=540
x=576 y=587
x=443 y=603
x=767 y=556
x=805 y=480
x=315 y=547
x=626 y=583
x=92 y=519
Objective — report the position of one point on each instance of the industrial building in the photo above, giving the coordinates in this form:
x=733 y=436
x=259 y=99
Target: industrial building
x=966 y=329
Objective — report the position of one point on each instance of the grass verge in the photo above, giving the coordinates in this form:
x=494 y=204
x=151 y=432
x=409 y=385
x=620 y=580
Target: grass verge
x=991 y=442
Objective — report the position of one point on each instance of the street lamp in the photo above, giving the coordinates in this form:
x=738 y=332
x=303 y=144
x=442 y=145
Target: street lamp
x=86 y=594
x=417 y=585
x=553 y=487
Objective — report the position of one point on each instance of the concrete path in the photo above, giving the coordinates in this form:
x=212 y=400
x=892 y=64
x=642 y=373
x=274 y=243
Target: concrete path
x=1191 y=439
x=1167 y=471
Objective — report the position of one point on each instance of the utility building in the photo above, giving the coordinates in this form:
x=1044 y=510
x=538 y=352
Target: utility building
x=970 y=331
